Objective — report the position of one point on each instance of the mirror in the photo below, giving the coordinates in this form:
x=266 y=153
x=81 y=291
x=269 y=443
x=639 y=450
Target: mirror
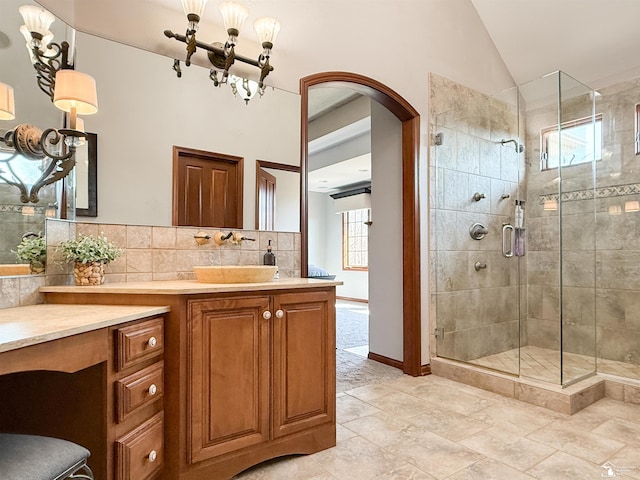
x=32 y=107
x=277 y=197
x=144 y=110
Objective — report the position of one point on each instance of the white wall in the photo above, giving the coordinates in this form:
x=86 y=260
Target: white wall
x=287 y=200
x=144 y=110
x=317 y=218
x=385 y=235
x=325 y=247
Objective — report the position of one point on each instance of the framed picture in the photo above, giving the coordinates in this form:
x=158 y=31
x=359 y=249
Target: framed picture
x=87 y=178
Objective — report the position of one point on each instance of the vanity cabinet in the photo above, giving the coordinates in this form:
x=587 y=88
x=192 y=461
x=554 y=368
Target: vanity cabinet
x=138 y=380
x=262 y=368
x=249 y=374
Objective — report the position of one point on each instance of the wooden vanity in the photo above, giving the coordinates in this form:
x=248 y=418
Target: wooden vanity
x=92 y=374
x=248 y=369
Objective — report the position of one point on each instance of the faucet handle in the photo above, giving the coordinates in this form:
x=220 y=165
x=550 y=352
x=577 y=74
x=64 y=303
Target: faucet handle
x=220 y=238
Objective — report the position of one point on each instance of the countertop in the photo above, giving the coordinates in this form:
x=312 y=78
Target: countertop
x=189 y=287
x=33 y=324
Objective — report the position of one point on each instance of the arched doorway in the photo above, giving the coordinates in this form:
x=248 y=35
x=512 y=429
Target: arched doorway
x=410 y=119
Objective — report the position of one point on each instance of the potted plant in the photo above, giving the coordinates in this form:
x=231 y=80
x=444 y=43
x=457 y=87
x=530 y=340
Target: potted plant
x=90 y=254
x=32 y=250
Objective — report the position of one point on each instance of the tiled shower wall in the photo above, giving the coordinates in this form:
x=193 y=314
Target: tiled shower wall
x=477 y=309
x=169 y=253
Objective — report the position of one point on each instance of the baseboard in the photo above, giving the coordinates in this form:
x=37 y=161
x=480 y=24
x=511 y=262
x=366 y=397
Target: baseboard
x=349 y=299
x=425 y=369
x=385 y=360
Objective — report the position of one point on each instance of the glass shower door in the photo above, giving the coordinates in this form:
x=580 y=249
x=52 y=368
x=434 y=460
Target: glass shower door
x=476 y=172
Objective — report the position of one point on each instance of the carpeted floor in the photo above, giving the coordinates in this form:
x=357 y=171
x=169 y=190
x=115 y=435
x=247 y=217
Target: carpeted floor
x=352 y=325
x=352 y=335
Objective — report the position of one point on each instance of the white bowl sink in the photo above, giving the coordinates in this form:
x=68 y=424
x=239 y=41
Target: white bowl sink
x=235 y=273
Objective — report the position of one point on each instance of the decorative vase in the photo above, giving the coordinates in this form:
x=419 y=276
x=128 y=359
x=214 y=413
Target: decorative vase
x=88 y=273
x=36 y=267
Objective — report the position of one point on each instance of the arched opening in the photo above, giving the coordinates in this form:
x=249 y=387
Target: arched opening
x=411 y=362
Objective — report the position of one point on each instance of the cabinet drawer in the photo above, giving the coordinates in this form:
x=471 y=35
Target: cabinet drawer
x=139 y=342
x=139 y=389
x=139 y=453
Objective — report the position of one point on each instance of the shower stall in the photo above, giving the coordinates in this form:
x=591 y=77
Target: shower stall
x=534 y=229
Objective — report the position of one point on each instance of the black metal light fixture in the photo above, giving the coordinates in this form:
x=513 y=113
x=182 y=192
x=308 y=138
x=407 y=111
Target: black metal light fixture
x=222 y=56
x=75 y=93
x=46 y=56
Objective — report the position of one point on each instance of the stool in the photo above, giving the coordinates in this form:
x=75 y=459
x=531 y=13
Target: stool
x=34 y=457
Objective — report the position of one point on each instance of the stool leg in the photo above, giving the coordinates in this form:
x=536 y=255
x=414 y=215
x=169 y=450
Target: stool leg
x=83 y=473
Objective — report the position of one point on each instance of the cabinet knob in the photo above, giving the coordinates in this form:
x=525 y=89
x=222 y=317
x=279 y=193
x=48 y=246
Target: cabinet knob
x=153 y=455
x=266 y=315
x=153 y=389
x=279 y=313
x=153 y=341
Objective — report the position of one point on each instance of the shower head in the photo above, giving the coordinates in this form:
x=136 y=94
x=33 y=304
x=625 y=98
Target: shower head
x=519 y=147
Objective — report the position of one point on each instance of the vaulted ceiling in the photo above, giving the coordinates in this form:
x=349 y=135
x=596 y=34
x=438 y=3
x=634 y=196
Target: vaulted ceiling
x=595 y=41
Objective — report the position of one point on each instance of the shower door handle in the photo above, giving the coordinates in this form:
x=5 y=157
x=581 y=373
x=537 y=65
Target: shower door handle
x=507 y=240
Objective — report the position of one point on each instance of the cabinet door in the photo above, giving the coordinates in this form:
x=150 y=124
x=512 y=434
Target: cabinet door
x=228 y=355
x=304 y=357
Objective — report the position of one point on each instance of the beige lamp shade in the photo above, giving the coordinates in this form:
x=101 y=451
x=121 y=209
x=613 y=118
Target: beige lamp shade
x=75 y=90
x=7 y=105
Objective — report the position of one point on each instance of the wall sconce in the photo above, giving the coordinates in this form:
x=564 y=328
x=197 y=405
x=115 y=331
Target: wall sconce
x=46 y=56
x=75 y=93
x=222 y=56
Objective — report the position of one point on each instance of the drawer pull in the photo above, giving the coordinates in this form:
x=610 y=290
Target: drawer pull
x=153 y=341
x=279 y=313
x=153 y=389
x=266 y=315
x=152 y=456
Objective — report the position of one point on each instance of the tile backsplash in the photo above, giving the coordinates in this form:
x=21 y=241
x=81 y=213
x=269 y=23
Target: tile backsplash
x=169 y=253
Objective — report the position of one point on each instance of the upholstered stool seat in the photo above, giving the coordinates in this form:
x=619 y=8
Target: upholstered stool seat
x=34 y=457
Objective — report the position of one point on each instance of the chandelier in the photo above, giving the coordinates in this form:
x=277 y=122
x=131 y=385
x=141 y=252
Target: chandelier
x=222 y=56
x=46 y=56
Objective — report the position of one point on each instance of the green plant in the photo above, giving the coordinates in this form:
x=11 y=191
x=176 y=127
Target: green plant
x=89 y=249
x=33 y=250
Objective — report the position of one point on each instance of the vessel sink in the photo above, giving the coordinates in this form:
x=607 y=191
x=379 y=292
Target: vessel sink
x=15 y=269
x=235 y=273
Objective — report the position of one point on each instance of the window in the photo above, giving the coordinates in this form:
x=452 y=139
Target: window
x=355 y=241
x=580 y=139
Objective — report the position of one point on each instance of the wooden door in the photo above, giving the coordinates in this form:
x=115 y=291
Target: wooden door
x=266 y=206
x=303 y=368
x=228 y=355
x=207 y=189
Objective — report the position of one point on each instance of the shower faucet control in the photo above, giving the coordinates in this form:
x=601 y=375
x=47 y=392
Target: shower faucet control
x=478 y=231
x=478 y=196
x=479 y=266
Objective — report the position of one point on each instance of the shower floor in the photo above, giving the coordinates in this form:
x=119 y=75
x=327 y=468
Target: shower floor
x=544 y=364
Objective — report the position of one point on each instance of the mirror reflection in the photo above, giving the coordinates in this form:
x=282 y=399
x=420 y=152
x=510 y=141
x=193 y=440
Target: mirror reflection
x=33 y=107
x=145 y=110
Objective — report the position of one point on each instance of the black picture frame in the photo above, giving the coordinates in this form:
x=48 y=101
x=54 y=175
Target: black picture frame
x=92 y=180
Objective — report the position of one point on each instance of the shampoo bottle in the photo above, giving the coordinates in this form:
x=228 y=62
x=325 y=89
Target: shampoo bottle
x=269 y=258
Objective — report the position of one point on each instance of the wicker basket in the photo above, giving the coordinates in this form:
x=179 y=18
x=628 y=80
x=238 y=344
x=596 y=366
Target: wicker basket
x=89 y=273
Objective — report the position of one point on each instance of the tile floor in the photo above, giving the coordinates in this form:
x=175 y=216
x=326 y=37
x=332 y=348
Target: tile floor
x=544 y=364
x=398 y=427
